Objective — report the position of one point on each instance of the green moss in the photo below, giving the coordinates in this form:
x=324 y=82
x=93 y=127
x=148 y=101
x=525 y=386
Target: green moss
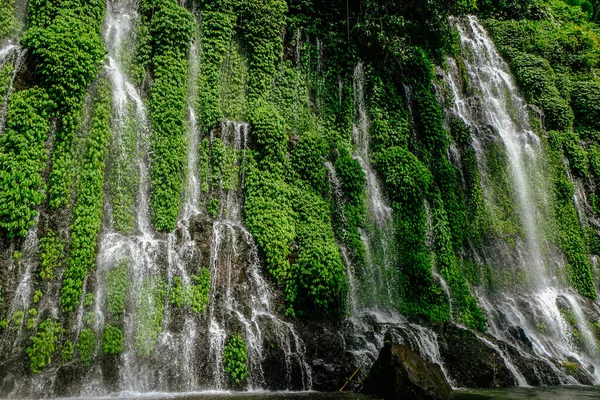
x=570 y=233
x=465 y=306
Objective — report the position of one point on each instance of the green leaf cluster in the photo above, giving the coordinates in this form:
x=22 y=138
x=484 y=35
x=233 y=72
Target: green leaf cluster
x=112 y=340
x=23 y=160
x=87 y=213
x=43 y=345
x=235 y=359
x=87 y=346
x=165 y=32
x=193 y=295
x=116 y=287
x=51 y=254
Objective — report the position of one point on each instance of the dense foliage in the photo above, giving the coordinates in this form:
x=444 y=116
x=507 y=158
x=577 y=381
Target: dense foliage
x=87 y=213
x=235 y=359
x=168 y=28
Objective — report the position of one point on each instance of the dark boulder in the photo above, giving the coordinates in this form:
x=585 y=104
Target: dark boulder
x=400 y=373
x=470 y=360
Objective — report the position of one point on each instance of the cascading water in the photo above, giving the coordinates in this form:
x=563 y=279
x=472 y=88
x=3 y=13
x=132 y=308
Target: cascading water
x=11 y=59
x=498 y=117
x=373 y=297
x=378 y=237
x=245 y=303
x=181 y=350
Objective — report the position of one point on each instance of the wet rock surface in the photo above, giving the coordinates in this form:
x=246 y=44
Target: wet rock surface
x=470 y=361
x=401 y=373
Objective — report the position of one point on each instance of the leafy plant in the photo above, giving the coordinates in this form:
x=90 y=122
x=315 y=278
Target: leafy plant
x=235 y=359
x=43 y=345
x=112 y=340
x=87 y=346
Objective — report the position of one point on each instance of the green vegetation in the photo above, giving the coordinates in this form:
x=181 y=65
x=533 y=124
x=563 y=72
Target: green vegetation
x=43 y=345
x=68 y=349
x=149 y=314
x=23 y=159
x=116 y=288
x=87 y=346
x=554 y=54
x=51 y=255
x=235 y=359
x=112 y=340
x=8 y=22
x=87 y=213
x=166 y=30
x=218 y=21
x=193 y=295
x=65 y=41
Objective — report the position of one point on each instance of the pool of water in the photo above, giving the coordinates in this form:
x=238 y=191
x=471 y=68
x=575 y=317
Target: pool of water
x=537 y=393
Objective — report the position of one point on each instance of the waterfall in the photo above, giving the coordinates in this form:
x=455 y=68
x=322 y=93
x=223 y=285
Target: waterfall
x=184 y=350
x=246 y=303
x=378 y=235
x=11 y=59
x=497 y=114
x=373 y=297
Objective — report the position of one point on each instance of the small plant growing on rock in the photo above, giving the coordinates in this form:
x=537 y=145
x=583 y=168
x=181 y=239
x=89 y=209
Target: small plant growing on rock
x=112 y=340
x=87 y=346
x=213 y=207
x=88 y=300
x=235 y=359
x=37 y=296
x=67 y=352
x=43 y=345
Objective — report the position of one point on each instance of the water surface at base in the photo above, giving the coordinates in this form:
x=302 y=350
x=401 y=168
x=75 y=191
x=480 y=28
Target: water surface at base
x=538 y=393
x=517 y=393
x=225 y=395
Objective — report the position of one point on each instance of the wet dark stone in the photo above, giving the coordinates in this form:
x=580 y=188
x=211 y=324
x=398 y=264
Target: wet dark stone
x=400 y=373
x=470 y=361
x=331 y=364
x=520 y=335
